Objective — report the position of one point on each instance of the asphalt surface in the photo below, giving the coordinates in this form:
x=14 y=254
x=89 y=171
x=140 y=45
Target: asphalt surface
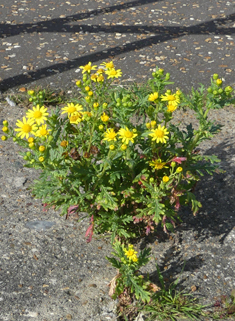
x=45 y=42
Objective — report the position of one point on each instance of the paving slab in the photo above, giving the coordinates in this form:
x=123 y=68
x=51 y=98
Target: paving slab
x=45 y=42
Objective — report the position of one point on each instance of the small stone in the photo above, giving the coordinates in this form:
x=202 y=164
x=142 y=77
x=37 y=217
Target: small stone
x=40 y=225
x=92 y=285
x=69 y=316
x=19 y=181
x=22 y=89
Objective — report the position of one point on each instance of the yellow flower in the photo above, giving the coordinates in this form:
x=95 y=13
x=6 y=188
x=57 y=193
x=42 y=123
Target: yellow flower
x=31 y=139
x=100 y=71
x=94 y=77
x=87 y=68
x=30 y=92
x=4 y=129
x=110 y=135
x=25 y=128
x=75 y=118
x=134 y=258
x=113 y=73
x=219 y=82
x=171 y=108
x=101 y=127
x=38 y=114
x=41 y=159
x=42 y=131
x=172 y=98
x=41 y=148
x=123 y=147
x=159 y=134
x=64 y=143
x=100 y=78
x=153 y=97
x=31 y=145
x=5 y=123
x=86 y=115
x=87 y=88
x=90 y=93
x=152 y=124
x=111 y=147
x=78 y=83
x=108 y=65
x=130 y=253
x=179 y=169
x=96 y=105
x=165 y=179
x=71 y=108
x=3 y=138
x=126 y=135
x=104 y=117
x=158 y=164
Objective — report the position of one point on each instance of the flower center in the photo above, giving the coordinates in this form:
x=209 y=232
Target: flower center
x=110 y=65
x=159 y=133
x=43 y=132
x=37 y=114
x=26 y=128
x=74 y=117
x=87 y=68
x=71 y=109
x=112 y=135
x=171 y=97
x=128 y=134
x=113 y=72
x=130 y=253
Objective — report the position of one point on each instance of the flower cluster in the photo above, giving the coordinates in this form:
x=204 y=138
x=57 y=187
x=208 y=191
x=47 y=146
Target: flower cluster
x=130 y=253
x=118 y=146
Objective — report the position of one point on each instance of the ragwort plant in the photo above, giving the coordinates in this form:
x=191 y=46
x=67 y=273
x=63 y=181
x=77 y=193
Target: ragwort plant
x=115 y=153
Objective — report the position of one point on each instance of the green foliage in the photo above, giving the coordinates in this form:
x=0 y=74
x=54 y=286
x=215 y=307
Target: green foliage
x=115 y=152
x=129 y=278
x=170 y=304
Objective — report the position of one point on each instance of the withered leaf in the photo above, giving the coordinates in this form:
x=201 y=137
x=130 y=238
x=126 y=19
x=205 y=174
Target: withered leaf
x=94 y=150
x=86 y=155
x=74 y=154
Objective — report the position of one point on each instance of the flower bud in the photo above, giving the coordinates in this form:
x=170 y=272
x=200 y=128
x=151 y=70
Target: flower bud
x=5 y=129
x=179 y=170
x=168 y=75
x=123 y=147
x=31 y=145
x=111 y=147
x=41 y=148
x=165 y=179
x=215 y=76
